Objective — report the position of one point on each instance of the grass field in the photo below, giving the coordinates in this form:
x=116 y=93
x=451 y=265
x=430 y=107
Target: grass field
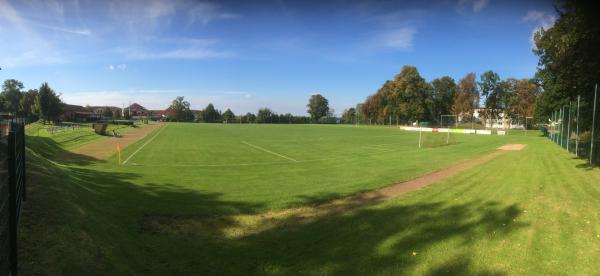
x=168 y=210
x=50 y=143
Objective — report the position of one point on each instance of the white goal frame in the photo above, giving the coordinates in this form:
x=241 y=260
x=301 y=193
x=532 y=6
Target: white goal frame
x=449 y=115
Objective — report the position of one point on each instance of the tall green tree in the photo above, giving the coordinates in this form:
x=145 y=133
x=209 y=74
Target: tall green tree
x=444 y=91
x=27 y=103
x=414 y=93
x=569 y=59
x=180 y=110
x=228 y=115
x=264 y=115
x=493 y=90
x=318 y=106
x=349 y=116
x=48 y=104
x=210 y=114
x=249 y=118
x=11 y=93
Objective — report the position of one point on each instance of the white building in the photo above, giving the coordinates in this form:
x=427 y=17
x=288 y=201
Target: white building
x=498 y=122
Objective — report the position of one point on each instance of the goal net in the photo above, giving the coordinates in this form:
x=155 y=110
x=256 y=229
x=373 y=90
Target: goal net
x=433 y=137
x=448 y=121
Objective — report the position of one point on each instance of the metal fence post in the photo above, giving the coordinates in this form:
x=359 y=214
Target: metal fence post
x=553 y=127
x=593 y=125
x=577 y=137
x=569 y=128
x=560 y=136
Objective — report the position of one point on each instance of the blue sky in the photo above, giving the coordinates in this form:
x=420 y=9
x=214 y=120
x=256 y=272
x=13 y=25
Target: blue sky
x=243 y=55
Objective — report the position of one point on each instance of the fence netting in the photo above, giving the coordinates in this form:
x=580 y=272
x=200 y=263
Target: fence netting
x=575 y=128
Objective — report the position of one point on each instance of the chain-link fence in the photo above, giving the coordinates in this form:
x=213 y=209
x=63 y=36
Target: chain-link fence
x=575 y=127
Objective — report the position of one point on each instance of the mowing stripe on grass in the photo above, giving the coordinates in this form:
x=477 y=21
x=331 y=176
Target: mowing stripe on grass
x=268 y=151
x=147 y=142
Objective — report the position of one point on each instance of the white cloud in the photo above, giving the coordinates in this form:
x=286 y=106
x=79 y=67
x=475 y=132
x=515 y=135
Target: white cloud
x=46 y=32
x=478 y=5
x=182 y=53
x=120 y=67
x=27 y=47
x=84 y=32
x=400 y=39
x=176 y=48
x=542 y=20
x=474 y=5
x=147 y=15
x=205 y=12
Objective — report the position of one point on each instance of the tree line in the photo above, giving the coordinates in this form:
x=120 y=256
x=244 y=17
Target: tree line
x=409 y=98
x=42 y=103
x=317 y=108
x=569 y=60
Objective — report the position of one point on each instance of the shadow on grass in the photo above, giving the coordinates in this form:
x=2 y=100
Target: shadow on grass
x=379 y=239
x=91 y=221
x=50 y=149
x=87 y=221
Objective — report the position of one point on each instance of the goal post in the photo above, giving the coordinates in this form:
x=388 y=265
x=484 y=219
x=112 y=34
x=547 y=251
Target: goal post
x=448 y=121
x=435 y=137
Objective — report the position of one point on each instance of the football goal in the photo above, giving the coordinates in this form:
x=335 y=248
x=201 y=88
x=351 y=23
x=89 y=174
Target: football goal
x=448 y=121
x=434 y=137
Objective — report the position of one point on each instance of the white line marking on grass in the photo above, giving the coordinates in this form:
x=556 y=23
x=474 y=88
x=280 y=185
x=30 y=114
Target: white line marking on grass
x=268 y=151
x=268 y=163
x=147 y=142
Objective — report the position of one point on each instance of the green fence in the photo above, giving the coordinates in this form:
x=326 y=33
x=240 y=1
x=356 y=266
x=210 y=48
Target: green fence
x=574 y=127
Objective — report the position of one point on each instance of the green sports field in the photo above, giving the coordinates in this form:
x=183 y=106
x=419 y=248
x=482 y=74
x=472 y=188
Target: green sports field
x=169 y=209
x=277 y=166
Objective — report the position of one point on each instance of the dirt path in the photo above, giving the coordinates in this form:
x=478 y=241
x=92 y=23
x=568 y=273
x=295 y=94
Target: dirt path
x=243 y=225
x=105 y=148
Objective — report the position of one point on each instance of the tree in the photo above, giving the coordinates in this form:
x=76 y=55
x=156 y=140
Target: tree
x=264 y=115
x=48 y=104
x=444 y=91
x=318 y=106
x=414 y=94
x=228 y=115
x=27 y=103
x=369 y=108
x=525 y=96
x=249 y=118
x=180 y=110
x=407 y=97
x=210 y=114
x=11 y=93
x=569 y=60
x=349 y=116
x=493 y=90
x=106 y=112
x=467 y=96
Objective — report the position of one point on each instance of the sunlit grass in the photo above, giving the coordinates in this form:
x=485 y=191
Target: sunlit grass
x=528 y=212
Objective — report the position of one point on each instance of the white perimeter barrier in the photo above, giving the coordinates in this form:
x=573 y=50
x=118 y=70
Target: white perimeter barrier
x=445 y=130
x=485 y=132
